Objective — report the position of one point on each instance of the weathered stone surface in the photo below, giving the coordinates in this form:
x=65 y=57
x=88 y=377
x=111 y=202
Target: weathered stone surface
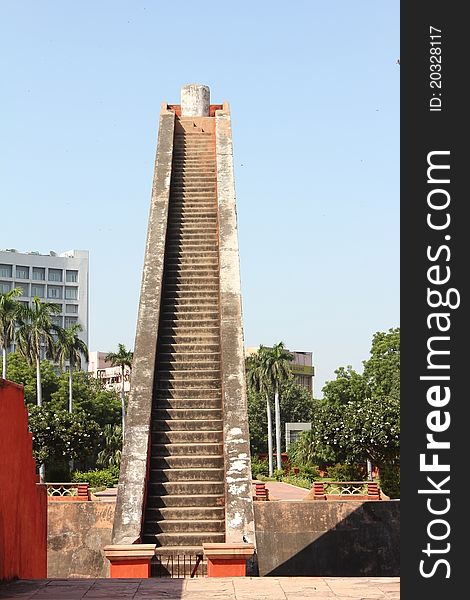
x=77 y=533
x=195 y=100
x=131 y=488
x=239 y=521
x=334 y=539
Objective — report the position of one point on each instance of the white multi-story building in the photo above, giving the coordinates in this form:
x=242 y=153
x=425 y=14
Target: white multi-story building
x=101 y=369
x=57 y=278
x=301 y=366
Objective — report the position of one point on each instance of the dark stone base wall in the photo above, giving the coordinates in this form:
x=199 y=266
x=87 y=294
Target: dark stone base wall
x=328 y=538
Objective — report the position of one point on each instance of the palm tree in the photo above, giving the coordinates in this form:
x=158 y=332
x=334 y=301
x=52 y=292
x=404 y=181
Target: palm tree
x=122 y=358
x=9 y=309
x=34 y=335
x=258 y=382
x=69 y=347
x=276 y=366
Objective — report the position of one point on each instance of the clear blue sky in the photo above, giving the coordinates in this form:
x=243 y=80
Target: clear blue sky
x=314 y=93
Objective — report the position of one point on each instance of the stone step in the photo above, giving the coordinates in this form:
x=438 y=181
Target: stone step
x=189 y=207
x=205 y=285
x=187 y=462
x=188 y=539
x=205 y=232
x=185 y=488
x=185 y=475
x=194 y=340
x=176 y=252
x=187 y=392
x=196 y=374
x=166 y=363
x=186 y=327
x=191 y=248
x=186 y=501
x=195 y=264
x=197 y=218
x=187 y=403
x=173 y=291
x=208 y=449
x=195 y=383
x=179 y=300
x=201 y=348
x=192 y=203
x=188 y=227
x=187 y=437
x=202 y=313
x=186 y=513
x=185 y=527
x=191 y=273
x=186 y=425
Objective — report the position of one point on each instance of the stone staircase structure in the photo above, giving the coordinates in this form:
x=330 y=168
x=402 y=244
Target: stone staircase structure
x=185 y=473
x=185 y=501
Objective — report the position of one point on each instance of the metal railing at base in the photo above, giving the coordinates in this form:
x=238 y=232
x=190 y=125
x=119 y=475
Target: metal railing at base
x=178 y=566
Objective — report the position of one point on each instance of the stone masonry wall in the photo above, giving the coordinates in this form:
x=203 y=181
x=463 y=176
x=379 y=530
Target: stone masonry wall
x=328 y=538
x=77 y=532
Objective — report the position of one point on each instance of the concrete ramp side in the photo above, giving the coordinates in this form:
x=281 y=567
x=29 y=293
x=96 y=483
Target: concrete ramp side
x=239 y=519
x=130 y=504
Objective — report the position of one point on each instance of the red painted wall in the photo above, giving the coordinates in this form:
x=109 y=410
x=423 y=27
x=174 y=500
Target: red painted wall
x=23 y=503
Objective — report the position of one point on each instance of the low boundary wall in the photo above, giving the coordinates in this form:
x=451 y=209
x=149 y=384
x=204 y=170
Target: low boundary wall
x=329 y=539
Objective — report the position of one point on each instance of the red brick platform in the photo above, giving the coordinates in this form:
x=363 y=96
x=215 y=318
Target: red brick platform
x=240 y=588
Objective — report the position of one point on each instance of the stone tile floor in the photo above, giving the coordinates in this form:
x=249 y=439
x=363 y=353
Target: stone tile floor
x=259 y=588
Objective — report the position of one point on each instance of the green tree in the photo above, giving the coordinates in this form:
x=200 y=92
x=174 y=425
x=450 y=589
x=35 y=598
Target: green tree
x=122 y=358
x=20 y=371
x=276 y=366
x=258 y=382
x=9 y=309
x=359 y=418
x=59 y=436
x=89 y=397
x=34 y=335
x=110 y=455
x=348 y=386
x=382 y=369
x=69 y=347
x=296 y=404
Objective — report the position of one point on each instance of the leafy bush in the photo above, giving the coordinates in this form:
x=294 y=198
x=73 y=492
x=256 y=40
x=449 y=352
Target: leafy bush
x=346 y=472
x=278 y=474
x=104 y=478
x=390 y=479
x=259 y=467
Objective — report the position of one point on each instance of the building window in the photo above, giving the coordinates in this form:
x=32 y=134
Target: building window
x=22 y=272
x=37 y=289
x=24 y=287
x=5 y=286
x=55 y=275
x=55 y=320
x=71 y=276
x=69 y=321
x=54 y=291
x=39 y=273
x=5 y=270
x=71 y=293
x=72 y=309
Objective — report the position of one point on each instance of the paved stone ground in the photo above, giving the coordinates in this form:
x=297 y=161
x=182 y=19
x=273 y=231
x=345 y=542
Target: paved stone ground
x=259 y=588
x=279 y=490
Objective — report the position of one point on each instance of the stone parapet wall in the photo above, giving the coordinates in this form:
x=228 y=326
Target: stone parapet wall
x=329 y=539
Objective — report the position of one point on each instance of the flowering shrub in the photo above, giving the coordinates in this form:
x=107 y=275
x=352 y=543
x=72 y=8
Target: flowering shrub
x=59 y=435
